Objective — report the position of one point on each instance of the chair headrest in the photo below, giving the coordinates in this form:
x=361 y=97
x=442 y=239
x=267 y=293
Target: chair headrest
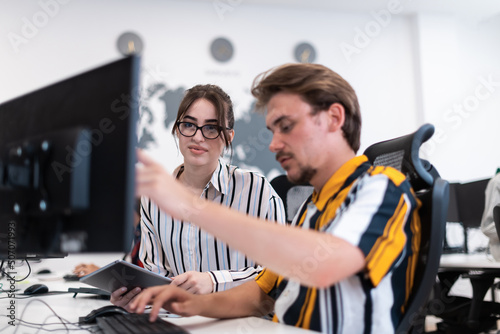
x=402 y=153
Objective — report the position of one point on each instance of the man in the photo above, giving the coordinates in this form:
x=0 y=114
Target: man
x=492 y=199
x=346 y=266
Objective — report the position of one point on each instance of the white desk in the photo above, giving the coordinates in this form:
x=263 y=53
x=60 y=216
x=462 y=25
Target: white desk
x=480 y=270
x=472 y=266
x=479 y=261
x=34 y=310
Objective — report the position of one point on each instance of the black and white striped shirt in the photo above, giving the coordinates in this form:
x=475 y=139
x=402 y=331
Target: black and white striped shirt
x=171 y=247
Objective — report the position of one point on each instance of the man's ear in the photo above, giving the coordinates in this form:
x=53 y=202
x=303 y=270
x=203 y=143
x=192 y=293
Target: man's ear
x=336 y=116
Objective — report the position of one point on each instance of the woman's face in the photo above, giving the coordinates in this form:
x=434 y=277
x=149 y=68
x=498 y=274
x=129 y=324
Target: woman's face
x=198 y=150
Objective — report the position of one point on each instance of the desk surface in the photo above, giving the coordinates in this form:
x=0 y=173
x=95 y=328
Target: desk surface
x=41 y=309
x=479 y=261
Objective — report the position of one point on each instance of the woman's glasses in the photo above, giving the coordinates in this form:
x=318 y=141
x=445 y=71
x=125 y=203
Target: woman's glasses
x=209 y=131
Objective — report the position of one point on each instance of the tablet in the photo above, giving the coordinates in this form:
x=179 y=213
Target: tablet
x=121 y=273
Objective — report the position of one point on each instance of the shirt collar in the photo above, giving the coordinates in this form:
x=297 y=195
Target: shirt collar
x=336 y=181
x=219 y=180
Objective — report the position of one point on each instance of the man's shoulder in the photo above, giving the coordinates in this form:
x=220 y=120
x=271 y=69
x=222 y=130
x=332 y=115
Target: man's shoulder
x=392 y=174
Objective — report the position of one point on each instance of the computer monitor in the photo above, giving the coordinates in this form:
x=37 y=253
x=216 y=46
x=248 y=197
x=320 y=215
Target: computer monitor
x=67 y=165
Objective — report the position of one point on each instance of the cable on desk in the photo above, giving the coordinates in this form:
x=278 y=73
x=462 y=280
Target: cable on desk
x=93 y=329
x=21 y=295
x=24 y=297
x=4 y=273
x=63 y=321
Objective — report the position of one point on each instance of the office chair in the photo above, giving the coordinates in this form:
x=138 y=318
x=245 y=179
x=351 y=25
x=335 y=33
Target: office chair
x=470 y=199
x=292 y=195
x=466 y=209
x=462 y=315
x=496 y=220
x=403 y=154
x=453 y=219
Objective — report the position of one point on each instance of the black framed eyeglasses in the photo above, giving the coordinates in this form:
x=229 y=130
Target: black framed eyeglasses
x=209 y=131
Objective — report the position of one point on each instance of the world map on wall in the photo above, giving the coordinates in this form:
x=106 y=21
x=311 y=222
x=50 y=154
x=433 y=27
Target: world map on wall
x=159 y=104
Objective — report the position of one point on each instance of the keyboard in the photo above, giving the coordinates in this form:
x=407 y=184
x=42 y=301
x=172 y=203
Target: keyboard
x=136 y=323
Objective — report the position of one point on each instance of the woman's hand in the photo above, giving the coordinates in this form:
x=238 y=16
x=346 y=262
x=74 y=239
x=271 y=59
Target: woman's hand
x=194 y=282
x=124 y=298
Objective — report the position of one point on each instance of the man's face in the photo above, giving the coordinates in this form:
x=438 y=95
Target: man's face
x=296 y=136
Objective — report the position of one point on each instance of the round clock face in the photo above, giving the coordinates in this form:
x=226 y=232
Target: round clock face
x=305 y=53
x=129 y=43
x=221 y=49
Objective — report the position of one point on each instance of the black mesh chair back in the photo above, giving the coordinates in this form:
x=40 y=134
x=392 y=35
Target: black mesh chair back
x=403 y=154
x=292 y=195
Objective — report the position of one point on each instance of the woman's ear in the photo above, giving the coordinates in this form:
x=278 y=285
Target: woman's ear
x=231 y=135
x=230 y=140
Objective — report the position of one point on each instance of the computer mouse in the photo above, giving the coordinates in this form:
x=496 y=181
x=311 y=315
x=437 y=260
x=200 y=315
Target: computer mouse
x=36 y=289
x=103 y=311
x=44 y=272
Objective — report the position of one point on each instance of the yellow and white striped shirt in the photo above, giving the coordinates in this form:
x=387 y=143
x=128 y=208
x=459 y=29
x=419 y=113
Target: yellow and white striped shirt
x=375 y=209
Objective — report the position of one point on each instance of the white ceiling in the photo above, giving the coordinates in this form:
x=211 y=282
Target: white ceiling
x=475 y=9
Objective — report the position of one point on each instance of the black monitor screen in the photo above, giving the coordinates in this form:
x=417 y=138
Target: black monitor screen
x=67 y=157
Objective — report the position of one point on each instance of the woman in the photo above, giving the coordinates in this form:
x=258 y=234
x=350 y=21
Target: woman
x=196 y=260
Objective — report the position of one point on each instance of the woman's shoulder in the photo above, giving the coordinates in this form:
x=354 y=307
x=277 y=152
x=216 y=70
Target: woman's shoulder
x=240 y=173
x=233 y=169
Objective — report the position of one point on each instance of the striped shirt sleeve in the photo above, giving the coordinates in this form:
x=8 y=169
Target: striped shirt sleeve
x=272 y=209
x=267 y=280
x=151 y=250
x=380 y=212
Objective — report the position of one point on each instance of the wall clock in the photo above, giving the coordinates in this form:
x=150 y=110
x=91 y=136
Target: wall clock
x=129 y=43
x=221 y=49
x=305 y=53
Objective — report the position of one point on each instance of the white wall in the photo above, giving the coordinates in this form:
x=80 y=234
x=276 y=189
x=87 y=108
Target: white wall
x=461 y=94
x=406 y=69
